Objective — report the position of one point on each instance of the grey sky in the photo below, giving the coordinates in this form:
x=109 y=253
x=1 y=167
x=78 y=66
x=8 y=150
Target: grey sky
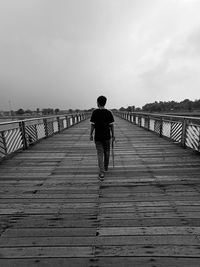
x=65 y=53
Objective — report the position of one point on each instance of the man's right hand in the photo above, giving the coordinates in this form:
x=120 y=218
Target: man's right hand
x=113 y=139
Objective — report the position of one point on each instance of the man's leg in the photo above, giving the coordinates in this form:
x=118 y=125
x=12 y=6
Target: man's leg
x=100 y=152
x=106 y=146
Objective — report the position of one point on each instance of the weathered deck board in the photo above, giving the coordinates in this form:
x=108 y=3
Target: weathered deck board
x=103 y=261
x=55 y=212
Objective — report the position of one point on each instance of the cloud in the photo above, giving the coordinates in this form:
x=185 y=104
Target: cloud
x=174 y=72
x=193 y=42
x=67 y=52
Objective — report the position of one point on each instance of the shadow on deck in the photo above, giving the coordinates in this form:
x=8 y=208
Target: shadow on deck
x=55 y=212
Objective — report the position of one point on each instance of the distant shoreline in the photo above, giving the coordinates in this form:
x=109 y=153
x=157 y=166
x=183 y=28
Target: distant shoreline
x=5 y=120
x=185 y=114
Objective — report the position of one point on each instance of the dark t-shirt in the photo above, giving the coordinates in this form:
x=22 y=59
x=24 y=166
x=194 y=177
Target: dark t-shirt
x=101 y=118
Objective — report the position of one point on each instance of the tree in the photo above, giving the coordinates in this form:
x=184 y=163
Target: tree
x=131 y=108
x=47 y=111
x=185 y=105
x=28 y=111
x=20 y=111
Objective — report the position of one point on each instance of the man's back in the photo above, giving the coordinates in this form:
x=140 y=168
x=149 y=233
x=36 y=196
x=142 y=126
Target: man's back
x=101 y=118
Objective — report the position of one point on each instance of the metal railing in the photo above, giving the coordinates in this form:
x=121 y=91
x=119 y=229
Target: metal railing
x=16 y=135
x=182 y=130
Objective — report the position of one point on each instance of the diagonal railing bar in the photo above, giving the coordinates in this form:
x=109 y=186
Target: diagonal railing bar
x=15 y=135
x=180 y=129
x=192 y=137
x=3 y=149
x=13 y=140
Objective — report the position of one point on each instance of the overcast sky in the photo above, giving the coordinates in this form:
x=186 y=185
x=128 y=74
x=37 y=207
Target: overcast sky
x=65 y=53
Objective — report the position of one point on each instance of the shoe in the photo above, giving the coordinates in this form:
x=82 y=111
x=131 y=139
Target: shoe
x=101 y=175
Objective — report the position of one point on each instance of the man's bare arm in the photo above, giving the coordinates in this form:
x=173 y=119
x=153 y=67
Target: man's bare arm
x=112 y=131
x=91 y=131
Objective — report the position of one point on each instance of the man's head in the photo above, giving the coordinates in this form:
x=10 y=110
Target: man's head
x=101 y=101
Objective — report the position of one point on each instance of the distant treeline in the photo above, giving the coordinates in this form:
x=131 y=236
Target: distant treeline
x=38 y=112
x=185 y=105
x=170 y=106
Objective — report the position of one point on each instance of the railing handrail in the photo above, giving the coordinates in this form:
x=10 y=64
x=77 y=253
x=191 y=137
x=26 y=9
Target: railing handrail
x=43 y=117
x=160 y=115
x=184 y=130
x=20 y=134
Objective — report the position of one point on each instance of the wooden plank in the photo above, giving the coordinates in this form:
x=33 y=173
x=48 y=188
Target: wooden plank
x=27 y=211
x=48 y=197
x=165 y=230
x=142 y=251
x=101 y=240
x=45 y=252
x=53 y=206
x=55 y=212
x=47 y=262
x=105 y=251
x=137 y=222
x=131 y=215
x=32 y=232
x=103 y=261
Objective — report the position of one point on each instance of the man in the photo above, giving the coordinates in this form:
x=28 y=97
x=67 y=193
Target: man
x=102 y=123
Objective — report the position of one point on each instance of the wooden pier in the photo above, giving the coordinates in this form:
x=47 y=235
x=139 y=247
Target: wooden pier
x=55 y=212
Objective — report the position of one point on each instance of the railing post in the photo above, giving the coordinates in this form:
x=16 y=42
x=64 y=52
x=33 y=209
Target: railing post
x=148 y=123
x=70 y=121
x=199 y=143
x=140 y=121
x=183 y=137
x=23 y=134
x=45 y=127
x=76 y=118
x=66 y=118
x=36 y=133
x=134 y=118
x=4 y=142
x=161 y=126
x=131 y=118
x=59 y=126
x=171 y=127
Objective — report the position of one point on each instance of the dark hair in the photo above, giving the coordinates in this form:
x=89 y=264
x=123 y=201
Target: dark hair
x=101 y=100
